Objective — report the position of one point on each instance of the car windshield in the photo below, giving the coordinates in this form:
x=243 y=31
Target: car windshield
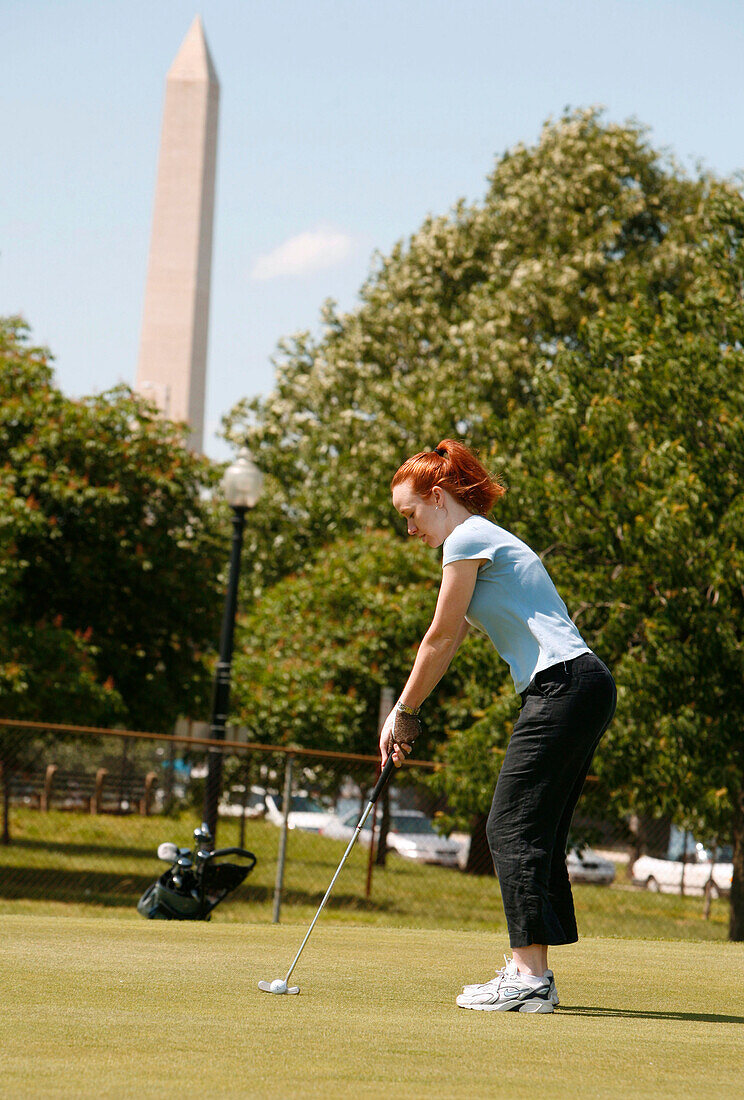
x=680 y=842
x=301 y=804
x=251 y=801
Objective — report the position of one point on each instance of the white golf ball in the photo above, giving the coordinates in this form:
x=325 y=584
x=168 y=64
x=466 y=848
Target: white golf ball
x=278 y=986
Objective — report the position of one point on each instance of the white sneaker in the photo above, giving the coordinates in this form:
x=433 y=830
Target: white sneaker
x=548 y=975
x=509 y=991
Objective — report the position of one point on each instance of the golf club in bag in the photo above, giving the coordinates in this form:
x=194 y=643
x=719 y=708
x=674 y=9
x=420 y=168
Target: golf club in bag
x=195 y=882
x=279 y=985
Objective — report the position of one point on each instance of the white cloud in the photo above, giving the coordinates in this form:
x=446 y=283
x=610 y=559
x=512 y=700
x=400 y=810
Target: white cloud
x=313 y=250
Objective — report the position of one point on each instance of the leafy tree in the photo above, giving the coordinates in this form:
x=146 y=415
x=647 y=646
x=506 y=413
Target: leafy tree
x=315 y=652
x=110 y=553
x=582 y=328
x=631 y=485
x=451 y=326
x=634 y=487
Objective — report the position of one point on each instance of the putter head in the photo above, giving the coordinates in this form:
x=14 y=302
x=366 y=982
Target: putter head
x=265 y=987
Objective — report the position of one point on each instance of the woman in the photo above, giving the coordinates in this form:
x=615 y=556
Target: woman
x=495 y=582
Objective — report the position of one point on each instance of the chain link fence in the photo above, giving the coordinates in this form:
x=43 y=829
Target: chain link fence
x=84 y=810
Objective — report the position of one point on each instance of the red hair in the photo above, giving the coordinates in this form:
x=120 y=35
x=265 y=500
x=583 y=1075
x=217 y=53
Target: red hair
x=455 y=469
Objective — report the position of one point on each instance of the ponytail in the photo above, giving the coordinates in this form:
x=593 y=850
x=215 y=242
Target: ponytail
x=455 y=469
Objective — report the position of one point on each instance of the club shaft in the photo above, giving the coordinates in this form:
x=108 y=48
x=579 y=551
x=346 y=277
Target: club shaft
x=352 y=842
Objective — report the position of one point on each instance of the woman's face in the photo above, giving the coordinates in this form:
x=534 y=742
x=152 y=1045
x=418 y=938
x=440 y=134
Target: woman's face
x=426 y=519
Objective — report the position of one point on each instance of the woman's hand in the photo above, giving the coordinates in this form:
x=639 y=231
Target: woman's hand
x=398 y=733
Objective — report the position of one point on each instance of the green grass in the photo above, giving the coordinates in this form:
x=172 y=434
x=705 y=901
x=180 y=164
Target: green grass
x=83 y=865
x=124 y=1009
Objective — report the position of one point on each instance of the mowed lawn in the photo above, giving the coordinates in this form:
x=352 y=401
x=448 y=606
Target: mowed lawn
x=118 y=1008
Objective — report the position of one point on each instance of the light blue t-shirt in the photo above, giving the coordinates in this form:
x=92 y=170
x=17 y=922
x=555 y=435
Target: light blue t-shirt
x=514 y=602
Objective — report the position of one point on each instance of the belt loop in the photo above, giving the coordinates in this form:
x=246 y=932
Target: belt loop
x=565 y=667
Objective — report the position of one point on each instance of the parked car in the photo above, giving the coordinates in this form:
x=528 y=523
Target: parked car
x=585 y=865
x=304 y=812
x=665 y=874
x=411 y=834
x=231 y=804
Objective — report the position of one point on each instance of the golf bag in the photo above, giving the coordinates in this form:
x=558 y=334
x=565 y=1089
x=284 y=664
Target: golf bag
x=194 y=884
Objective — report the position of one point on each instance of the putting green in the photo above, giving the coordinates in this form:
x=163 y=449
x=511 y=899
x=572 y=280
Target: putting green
x=118 y=1008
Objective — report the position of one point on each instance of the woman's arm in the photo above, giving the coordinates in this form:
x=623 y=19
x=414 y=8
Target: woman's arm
x=439 y=644
x=461 y=635
x=447 y=630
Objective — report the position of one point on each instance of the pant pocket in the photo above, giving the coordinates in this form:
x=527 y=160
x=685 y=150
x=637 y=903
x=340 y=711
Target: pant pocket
x=552 y=681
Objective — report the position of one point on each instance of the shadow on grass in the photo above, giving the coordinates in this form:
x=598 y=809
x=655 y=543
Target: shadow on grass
x=68 y=848
x=94 y=887
x=638 y=1014
x=120 y=890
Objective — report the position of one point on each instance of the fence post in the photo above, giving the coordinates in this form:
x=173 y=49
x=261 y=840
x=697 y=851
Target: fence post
x=247 y=775
x=150 y=780
x=169 y=777
x=5 y=774
x=46 y=798
x=283 y=839
x=96 y=801
x=123 y=771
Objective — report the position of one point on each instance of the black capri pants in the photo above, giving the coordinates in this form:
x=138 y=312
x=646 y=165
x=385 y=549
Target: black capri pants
x=565 y=710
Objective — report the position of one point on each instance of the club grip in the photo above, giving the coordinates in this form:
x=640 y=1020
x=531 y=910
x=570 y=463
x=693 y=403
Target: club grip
x=382 y=782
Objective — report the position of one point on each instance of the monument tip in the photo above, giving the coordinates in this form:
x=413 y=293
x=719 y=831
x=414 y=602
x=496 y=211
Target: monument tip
x=194 y=61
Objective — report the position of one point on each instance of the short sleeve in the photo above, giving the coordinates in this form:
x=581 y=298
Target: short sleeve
x=469 y=540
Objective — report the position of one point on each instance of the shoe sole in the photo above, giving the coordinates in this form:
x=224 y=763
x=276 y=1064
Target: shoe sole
x=533 y=1005
x=555 y=1000
x=537 y=1006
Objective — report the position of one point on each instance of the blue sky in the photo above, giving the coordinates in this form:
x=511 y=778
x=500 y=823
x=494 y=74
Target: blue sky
x=343 y=124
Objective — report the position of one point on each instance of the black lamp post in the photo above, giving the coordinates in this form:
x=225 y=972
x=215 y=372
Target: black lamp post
x=242 y=484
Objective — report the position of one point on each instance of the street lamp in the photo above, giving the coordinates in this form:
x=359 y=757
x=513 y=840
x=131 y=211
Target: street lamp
x=241 y=484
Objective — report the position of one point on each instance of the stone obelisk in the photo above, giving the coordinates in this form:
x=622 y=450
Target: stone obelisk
x=173 y=350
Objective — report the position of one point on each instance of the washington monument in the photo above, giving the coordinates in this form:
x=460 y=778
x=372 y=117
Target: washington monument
x=173 y=349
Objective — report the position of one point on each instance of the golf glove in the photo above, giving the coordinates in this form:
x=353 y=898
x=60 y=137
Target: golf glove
x=406 y=727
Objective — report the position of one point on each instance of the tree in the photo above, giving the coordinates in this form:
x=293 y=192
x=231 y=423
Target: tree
x=451 y=326
x=644 y=420
x=314 y=653
x=111 y=552
x=632 y=485
x=582 y=328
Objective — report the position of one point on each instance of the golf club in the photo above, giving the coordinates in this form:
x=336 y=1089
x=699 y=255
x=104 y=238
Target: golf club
x=202 y=836
x=279 y=985
x=195 y=883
